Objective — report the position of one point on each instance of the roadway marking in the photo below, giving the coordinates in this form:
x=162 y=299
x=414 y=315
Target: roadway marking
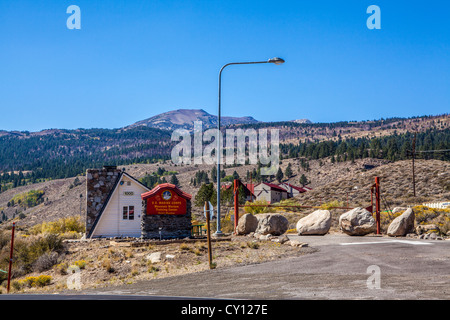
x=417 y=243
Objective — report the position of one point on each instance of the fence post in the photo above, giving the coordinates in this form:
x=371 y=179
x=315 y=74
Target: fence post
x=11 y=257
x=236 y=204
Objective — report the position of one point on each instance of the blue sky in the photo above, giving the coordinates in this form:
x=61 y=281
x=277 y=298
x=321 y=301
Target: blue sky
x=135 y=59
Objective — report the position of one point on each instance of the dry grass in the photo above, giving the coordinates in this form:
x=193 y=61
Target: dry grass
x=104 y=264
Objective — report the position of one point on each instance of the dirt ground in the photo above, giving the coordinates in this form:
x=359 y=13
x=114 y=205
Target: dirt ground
x=115 y=262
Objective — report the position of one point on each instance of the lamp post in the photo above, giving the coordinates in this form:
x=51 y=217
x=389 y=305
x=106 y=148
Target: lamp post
x=219 y=150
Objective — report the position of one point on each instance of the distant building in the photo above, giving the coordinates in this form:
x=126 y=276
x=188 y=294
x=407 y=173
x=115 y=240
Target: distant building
x=270 y=192
x=292 y=190
x=248 y=190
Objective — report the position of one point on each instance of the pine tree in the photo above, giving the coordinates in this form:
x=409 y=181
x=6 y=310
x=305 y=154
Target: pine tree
x=304 y=180
x=205 y=193
x=214 y=173
x=279 y=175
x=174 y=180
x=288 y=172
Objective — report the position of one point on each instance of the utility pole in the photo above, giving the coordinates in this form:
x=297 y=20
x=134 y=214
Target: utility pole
x=8 y=286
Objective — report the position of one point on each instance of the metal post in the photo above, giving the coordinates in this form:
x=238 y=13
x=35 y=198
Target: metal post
x=413 y=156
x=377 y=203
x=219 y=149
x=251 y=187
x=347 y=199
x=208 y=236
x=236 y=204
x=11 y=257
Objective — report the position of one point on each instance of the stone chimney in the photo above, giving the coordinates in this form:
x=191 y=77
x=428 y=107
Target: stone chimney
x=99 y=183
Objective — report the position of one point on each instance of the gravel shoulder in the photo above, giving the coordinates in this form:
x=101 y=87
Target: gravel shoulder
x=110 y=263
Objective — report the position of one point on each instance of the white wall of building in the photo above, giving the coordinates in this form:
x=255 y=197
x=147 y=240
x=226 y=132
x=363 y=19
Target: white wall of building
x=112 y=223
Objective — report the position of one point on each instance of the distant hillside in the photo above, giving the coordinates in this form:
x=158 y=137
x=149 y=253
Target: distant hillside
x=184 y=118
x=61 y=153
x=296 y=132
x=66 y=153
x=330 y=181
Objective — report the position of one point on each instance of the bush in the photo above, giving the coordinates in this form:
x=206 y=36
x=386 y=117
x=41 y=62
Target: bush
x=43 y=281
x=108 y=267
x=34 y=252
x=185 y=246
x=46 y=261
x=252 y=245
x=287 y=202
x=80 y=264
x=62 y=268
x=69 y=226
x=425 y=215
x=257 y=209
x=39 y=281
x=331 y=204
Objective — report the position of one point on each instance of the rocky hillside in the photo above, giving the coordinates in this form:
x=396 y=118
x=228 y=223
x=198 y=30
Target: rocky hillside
x=342 y=181
x=330 y=181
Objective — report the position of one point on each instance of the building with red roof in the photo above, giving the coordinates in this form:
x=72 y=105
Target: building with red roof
x=270 y=192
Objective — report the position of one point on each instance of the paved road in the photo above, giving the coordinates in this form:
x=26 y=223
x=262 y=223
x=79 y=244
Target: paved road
x=408 y=269
x=338 y=269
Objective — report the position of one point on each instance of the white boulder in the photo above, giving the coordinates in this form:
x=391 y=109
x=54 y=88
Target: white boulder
x=316 y=223
x=402 y=225
x=357 y=222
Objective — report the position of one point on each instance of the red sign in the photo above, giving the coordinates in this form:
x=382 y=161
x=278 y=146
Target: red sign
x=166 y=201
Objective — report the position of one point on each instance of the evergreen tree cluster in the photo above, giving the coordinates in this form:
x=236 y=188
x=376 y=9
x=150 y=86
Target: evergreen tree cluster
x=394 y=147
x=68 y=153
x=200 y=177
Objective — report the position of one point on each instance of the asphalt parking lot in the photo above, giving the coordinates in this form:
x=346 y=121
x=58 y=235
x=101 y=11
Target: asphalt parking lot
x=342 y=267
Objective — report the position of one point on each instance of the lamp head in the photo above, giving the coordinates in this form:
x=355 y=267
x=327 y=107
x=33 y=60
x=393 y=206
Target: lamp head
x=276 y=60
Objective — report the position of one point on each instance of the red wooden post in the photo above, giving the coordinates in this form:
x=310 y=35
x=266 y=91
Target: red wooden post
x=377 y=203
x=236 y=204
x=11 y=257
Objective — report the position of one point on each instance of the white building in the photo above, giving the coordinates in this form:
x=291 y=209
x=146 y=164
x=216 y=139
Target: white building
x=120 y=215
x=270 y=192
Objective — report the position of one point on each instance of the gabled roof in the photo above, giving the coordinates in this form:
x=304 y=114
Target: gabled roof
x=251 y=187
x=105 y=204
x=170 y=186
x=299 y=189
x=274 y=186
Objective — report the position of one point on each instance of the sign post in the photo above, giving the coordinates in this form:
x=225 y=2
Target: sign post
x=236 y=204
x=208 y=236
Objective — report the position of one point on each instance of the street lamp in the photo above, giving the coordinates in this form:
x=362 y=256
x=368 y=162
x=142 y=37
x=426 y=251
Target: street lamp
x=276 y=61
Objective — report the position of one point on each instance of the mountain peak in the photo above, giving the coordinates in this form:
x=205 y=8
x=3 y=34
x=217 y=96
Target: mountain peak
x=184 y=119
